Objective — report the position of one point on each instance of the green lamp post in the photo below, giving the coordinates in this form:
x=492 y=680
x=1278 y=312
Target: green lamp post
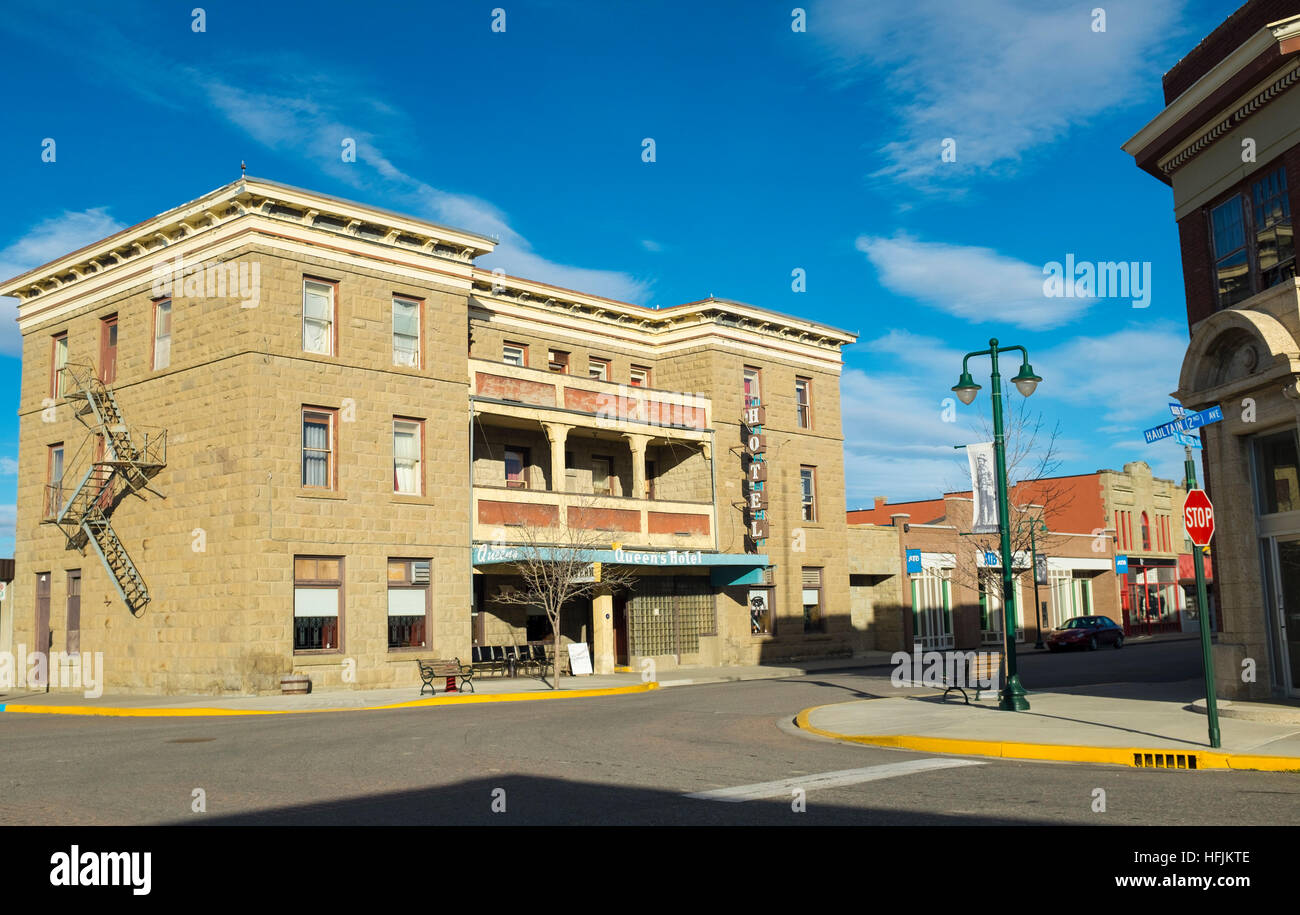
x=1013 y=694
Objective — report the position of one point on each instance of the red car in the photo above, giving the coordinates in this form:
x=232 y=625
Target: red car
x=1089 y=632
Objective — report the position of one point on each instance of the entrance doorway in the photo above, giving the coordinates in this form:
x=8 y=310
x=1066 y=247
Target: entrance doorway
x=621 y=658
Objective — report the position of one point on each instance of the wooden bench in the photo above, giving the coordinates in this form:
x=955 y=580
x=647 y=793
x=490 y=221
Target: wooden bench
x=450 y=670
x=984 y=666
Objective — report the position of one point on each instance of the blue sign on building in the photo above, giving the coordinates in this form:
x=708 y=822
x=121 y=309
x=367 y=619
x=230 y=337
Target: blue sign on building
x=913 y=562
x=1121 y=565
x=990 y=558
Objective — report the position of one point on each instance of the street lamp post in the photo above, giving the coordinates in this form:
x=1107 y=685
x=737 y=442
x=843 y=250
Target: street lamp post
x=1035 y=526
x=1013 y=694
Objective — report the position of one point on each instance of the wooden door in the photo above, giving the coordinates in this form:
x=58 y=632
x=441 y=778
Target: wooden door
x=42 y=614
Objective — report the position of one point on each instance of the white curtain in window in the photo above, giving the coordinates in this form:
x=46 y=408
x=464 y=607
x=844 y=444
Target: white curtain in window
x=317 y=315
x=315 y=602
x=162 y=336
x=315 y=457
x=406 y=333
x=406 y=602
x=406 y=458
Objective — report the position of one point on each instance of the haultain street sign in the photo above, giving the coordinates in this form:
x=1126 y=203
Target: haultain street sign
x=1187 y=424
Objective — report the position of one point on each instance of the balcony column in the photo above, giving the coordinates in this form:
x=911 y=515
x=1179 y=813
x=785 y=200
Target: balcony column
x=557 y=433
x=602 y=633
x=637 y=442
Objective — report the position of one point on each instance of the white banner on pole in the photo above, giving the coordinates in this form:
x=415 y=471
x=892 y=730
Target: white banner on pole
x=984 y=487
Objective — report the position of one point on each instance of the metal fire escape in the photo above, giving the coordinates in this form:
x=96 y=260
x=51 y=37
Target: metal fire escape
x=125 y=458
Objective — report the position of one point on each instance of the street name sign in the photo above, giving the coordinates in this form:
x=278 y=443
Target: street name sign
x=1187 y=423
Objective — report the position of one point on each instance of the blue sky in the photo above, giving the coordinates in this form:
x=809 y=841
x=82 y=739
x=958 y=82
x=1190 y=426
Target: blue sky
x=775 y=149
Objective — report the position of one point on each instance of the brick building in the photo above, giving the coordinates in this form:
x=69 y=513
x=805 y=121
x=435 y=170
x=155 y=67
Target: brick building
x=1228 y=145
x=1091 y=519
x=272 y=431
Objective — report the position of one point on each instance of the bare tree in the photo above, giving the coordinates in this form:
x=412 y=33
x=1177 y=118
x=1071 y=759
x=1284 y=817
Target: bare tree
x=556 y=567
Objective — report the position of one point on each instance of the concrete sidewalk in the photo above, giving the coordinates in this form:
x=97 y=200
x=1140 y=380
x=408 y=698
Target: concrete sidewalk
x=486 y=689
x=1145 y=725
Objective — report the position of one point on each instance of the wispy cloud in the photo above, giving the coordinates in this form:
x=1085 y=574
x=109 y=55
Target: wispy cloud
x=317 y=123
x=8 y=467
x=1003 y=78
x=8 y=519
x=973 y=283
x=43 y=242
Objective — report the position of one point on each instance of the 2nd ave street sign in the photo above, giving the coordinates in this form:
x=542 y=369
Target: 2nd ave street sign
x=1198 y=517
x=1188 y=423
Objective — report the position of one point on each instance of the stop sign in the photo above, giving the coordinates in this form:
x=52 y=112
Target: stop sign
x=1198 y=517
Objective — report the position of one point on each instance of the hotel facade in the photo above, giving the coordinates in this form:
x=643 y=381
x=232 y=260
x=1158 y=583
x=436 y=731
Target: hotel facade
x=273 y=432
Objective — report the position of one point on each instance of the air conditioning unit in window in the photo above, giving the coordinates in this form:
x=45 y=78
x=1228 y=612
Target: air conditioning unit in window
x=420 y=572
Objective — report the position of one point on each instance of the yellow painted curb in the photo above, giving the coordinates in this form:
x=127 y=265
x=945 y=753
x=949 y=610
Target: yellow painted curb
x=469 y=699
x=1114 y=756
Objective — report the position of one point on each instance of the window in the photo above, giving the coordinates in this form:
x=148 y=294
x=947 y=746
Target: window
x=58 y=362
x=753 y=386
x=639 y=377
x=813 y=617
x=1277 y=473
x=1146 y=533
x=1252 y=241
x=408 y=444
x=803 y=402
x=760 y=611
x=317 y=602
x=651 y=473
x=408 y=603
x=406 y=332
x=1274 y=241
x=516 y=460
x=108 y=349
x=74 y=611
x=162 y=334
x=318 y=317
x=54 y=481
x=514 y=354
x=598 y=368
x=808 y=492
x=602 y=475
x=558 y=361
x=1231 y=260
x=318 y=448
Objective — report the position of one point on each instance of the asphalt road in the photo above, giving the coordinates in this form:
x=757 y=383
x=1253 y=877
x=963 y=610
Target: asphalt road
x=620 y=760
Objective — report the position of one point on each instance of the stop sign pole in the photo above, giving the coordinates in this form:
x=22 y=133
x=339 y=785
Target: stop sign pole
x=1199 y=517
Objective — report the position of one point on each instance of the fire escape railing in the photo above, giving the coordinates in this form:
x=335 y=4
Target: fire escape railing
x=125 y=459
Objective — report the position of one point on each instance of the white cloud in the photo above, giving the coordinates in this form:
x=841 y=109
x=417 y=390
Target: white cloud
x=314 y=124
x=651 y=245
x=8 y=467
x=8 y=520
x=973 y=283
x=1000 y=77
x=52 y=238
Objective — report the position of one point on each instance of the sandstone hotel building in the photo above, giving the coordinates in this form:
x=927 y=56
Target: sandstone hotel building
x=270 y=431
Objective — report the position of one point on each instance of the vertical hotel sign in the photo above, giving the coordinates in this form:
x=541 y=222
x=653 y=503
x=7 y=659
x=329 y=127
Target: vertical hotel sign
x=756 y=504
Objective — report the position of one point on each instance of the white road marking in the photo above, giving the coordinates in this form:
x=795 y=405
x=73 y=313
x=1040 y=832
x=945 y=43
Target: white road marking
x=843 y=777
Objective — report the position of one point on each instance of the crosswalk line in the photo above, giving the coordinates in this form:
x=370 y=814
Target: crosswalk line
x=837 y=779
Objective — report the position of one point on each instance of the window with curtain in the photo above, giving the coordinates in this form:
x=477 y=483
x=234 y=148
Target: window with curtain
x=814 y=619
x=753 y=386
x=317 y=317
x=406 y=333
x=808 y=492
x=162 y=334
x=408 y=603
x=318 y=448
x=317 y=598
x=54 y=488
x=60 y=362
x=1146 y=532
x=406 y=456
x=803 y=402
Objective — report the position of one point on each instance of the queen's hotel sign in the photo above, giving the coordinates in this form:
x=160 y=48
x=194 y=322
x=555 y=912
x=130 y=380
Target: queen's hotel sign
x=756 y=483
